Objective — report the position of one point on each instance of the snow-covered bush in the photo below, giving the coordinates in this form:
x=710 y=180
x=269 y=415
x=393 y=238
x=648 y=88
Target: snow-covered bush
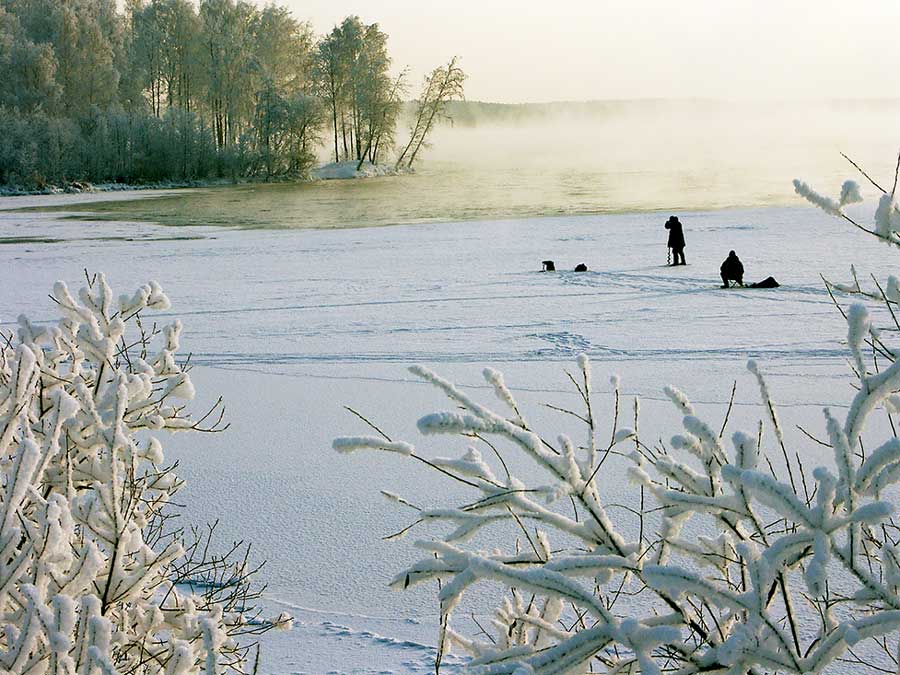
x=730 y=557
x=88 y=558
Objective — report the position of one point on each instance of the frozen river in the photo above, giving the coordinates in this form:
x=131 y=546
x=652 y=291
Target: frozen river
x=290 y=325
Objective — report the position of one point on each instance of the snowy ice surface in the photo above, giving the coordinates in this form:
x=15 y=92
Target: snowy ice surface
x=290 y=326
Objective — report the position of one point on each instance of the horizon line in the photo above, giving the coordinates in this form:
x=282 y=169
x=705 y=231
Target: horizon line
x=684 y=99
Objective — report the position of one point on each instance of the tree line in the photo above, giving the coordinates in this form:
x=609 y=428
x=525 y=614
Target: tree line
x=172 y=90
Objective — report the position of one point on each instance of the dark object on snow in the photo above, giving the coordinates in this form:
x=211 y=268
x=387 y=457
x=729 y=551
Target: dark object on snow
x=549 y=266
x=676 y=240
x=732 y=270
x=581 y=267
x=768 y=282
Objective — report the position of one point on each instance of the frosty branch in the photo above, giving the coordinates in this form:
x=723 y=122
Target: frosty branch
x=94 y=575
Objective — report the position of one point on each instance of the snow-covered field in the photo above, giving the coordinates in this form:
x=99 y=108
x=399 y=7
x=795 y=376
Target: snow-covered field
x=291 y=325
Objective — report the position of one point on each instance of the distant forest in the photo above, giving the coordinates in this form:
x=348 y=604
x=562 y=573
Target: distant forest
x=169 y=90
x=477 y=113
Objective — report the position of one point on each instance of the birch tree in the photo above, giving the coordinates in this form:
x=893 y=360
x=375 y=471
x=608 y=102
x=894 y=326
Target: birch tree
x=353 y=72
x=442 y=85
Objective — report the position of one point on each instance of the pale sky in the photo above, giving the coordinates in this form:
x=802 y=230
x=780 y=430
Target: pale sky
x=604 y=49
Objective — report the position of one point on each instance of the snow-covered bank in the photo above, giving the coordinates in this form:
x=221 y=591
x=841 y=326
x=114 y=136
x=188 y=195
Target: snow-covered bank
x=333 y=171
x=352 y=169
x=289 y=326
x=82 y=187
x=38 y=201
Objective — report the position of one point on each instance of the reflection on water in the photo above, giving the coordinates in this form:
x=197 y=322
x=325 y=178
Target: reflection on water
x=639 y=156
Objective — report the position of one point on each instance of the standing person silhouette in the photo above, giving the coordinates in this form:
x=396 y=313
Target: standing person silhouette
x=676 y=240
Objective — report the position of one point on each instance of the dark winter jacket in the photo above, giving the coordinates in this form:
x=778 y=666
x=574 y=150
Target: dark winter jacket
x=732 y=268
x=676 y=234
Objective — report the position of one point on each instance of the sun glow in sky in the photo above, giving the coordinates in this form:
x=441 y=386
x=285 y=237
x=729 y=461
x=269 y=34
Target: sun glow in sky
x=537 y=50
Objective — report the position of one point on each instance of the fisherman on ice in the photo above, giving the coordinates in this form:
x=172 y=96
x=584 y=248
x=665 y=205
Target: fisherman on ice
x=676 y=240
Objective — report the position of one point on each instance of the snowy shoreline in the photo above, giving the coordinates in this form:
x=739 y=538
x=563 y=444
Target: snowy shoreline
x=330 y=171
x=81 y=187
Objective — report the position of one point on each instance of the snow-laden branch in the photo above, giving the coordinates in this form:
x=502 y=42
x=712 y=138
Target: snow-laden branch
x=87 y=566
x=726 y=558
x=763 y=558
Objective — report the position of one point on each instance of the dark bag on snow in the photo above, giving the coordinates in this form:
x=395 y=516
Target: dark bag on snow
x=768 y=282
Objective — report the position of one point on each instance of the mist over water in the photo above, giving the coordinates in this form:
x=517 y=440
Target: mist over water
x=567 y=159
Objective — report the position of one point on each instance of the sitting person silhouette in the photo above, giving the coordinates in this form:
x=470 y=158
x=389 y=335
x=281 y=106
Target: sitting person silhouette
x=732 y=270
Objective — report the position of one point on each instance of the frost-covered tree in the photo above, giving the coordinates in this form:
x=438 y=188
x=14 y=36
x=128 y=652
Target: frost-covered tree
x=29 y=69
x=158 y=90
x=92 y=579
x=164 y=90
x=384 y=107
x=352 y=69
x=730 y=557
x=287 y=115
x=442 y=86
x=165 y=54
